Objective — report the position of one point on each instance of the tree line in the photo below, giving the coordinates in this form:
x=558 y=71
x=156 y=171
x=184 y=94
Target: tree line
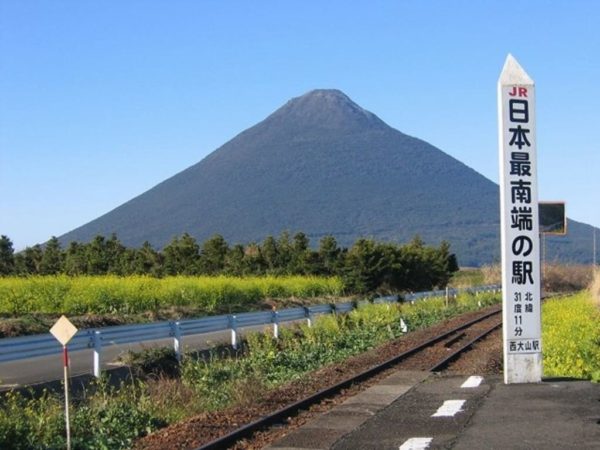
x=367 y=266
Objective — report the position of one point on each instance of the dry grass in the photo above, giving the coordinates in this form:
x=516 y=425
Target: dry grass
x=566 y=278
x=467 y=277
x=492 y=274
x=595 y=287
x=556 y=277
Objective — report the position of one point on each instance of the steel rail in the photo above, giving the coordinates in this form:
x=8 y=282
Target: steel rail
x=444 y=363
x=277 y=416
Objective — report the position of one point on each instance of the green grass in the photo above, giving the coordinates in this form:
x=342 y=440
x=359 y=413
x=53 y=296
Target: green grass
x=332 y=339
x=571 y=337
x=106 y=418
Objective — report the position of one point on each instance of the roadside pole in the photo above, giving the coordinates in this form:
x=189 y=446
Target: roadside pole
x=66 y=374
x=63 y=330
x=519 y=220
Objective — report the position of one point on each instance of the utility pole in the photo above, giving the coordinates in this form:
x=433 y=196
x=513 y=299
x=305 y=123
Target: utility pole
x=594 y=251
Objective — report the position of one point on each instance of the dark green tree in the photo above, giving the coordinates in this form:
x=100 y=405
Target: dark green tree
x=270 y=253
x=364 y=266
x=127 y=264
x=442 y=265
x=75 y=259
x=53 y=258
x=236 y=263
x=329 y=256
x=417 y=270
x=147 y=261
x=254 y=261
x=116 y=257
x=182 y=256
x=300 y=255
x=96 y=253
x=29 y=261
x=285 y=254
x=7 y=258
x=212 y=256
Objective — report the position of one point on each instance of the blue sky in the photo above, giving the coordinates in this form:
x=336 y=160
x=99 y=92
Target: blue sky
x=100 y=101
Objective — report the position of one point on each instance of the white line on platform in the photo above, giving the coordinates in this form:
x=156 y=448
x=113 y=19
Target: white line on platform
x=472 y=382
x=449 y=408
x=418 y=443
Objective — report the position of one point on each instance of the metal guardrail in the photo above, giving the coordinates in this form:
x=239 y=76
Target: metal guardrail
x=13 y=349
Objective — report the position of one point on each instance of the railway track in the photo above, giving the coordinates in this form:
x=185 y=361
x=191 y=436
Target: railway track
x=433 y=354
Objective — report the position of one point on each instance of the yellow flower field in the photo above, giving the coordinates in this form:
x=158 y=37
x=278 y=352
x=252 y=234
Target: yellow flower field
x=571 y=337
x=135 y=294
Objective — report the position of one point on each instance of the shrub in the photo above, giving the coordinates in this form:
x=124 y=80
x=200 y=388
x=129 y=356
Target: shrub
x=108 y=418
x=27 y=423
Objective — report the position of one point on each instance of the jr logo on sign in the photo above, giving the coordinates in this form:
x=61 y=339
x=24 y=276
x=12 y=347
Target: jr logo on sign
x=518 y=91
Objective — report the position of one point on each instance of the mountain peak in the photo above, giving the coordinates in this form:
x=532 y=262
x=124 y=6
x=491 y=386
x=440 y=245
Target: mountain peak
x=323 y=165
x=325 y=95
x=326 y=108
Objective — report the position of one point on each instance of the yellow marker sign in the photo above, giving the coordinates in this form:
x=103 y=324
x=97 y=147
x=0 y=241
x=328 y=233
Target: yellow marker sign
x=63 y=330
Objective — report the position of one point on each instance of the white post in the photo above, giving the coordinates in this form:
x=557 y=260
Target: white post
x=308 y=317
x=275 y=320
x=177 y=340
x=97 y=353
x=233 y=325
x=519 y=225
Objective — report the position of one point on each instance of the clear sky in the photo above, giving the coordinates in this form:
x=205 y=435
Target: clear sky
x=100 y=101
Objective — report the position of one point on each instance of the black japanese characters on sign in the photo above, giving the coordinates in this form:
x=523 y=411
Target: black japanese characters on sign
x=520 y=164
x=524 y=346
x=521 y=213
x=522 y=218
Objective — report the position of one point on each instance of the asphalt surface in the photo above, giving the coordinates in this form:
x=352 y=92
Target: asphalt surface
x=405 y=412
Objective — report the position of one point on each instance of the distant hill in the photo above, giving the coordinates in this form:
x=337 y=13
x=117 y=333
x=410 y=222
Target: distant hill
x=323 y=165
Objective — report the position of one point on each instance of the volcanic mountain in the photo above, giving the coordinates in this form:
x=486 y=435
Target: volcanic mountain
x=320 y=164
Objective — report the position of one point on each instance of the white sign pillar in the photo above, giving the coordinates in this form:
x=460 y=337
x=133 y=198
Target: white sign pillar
x=519 y=221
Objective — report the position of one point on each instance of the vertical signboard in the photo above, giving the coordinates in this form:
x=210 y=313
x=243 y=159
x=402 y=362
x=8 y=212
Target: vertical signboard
x=519 y=223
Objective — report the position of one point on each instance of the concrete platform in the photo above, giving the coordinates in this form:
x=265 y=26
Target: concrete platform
x=400 y=413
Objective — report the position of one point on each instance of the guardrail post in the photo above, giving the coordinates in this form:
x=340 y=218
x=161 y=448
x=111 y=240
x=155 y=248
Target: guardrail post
x=275 y=320
x=97 y=340
x=233 y=326
x=177 y=344
x=308 y=316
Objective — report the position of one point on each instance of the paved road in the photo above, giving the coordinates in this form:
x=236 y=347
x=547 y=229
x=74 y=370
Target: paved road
x=50 y=368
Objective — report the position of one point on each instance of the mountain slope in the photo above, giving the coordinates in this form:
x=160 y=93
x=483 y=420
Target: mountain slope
x=323 y=165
